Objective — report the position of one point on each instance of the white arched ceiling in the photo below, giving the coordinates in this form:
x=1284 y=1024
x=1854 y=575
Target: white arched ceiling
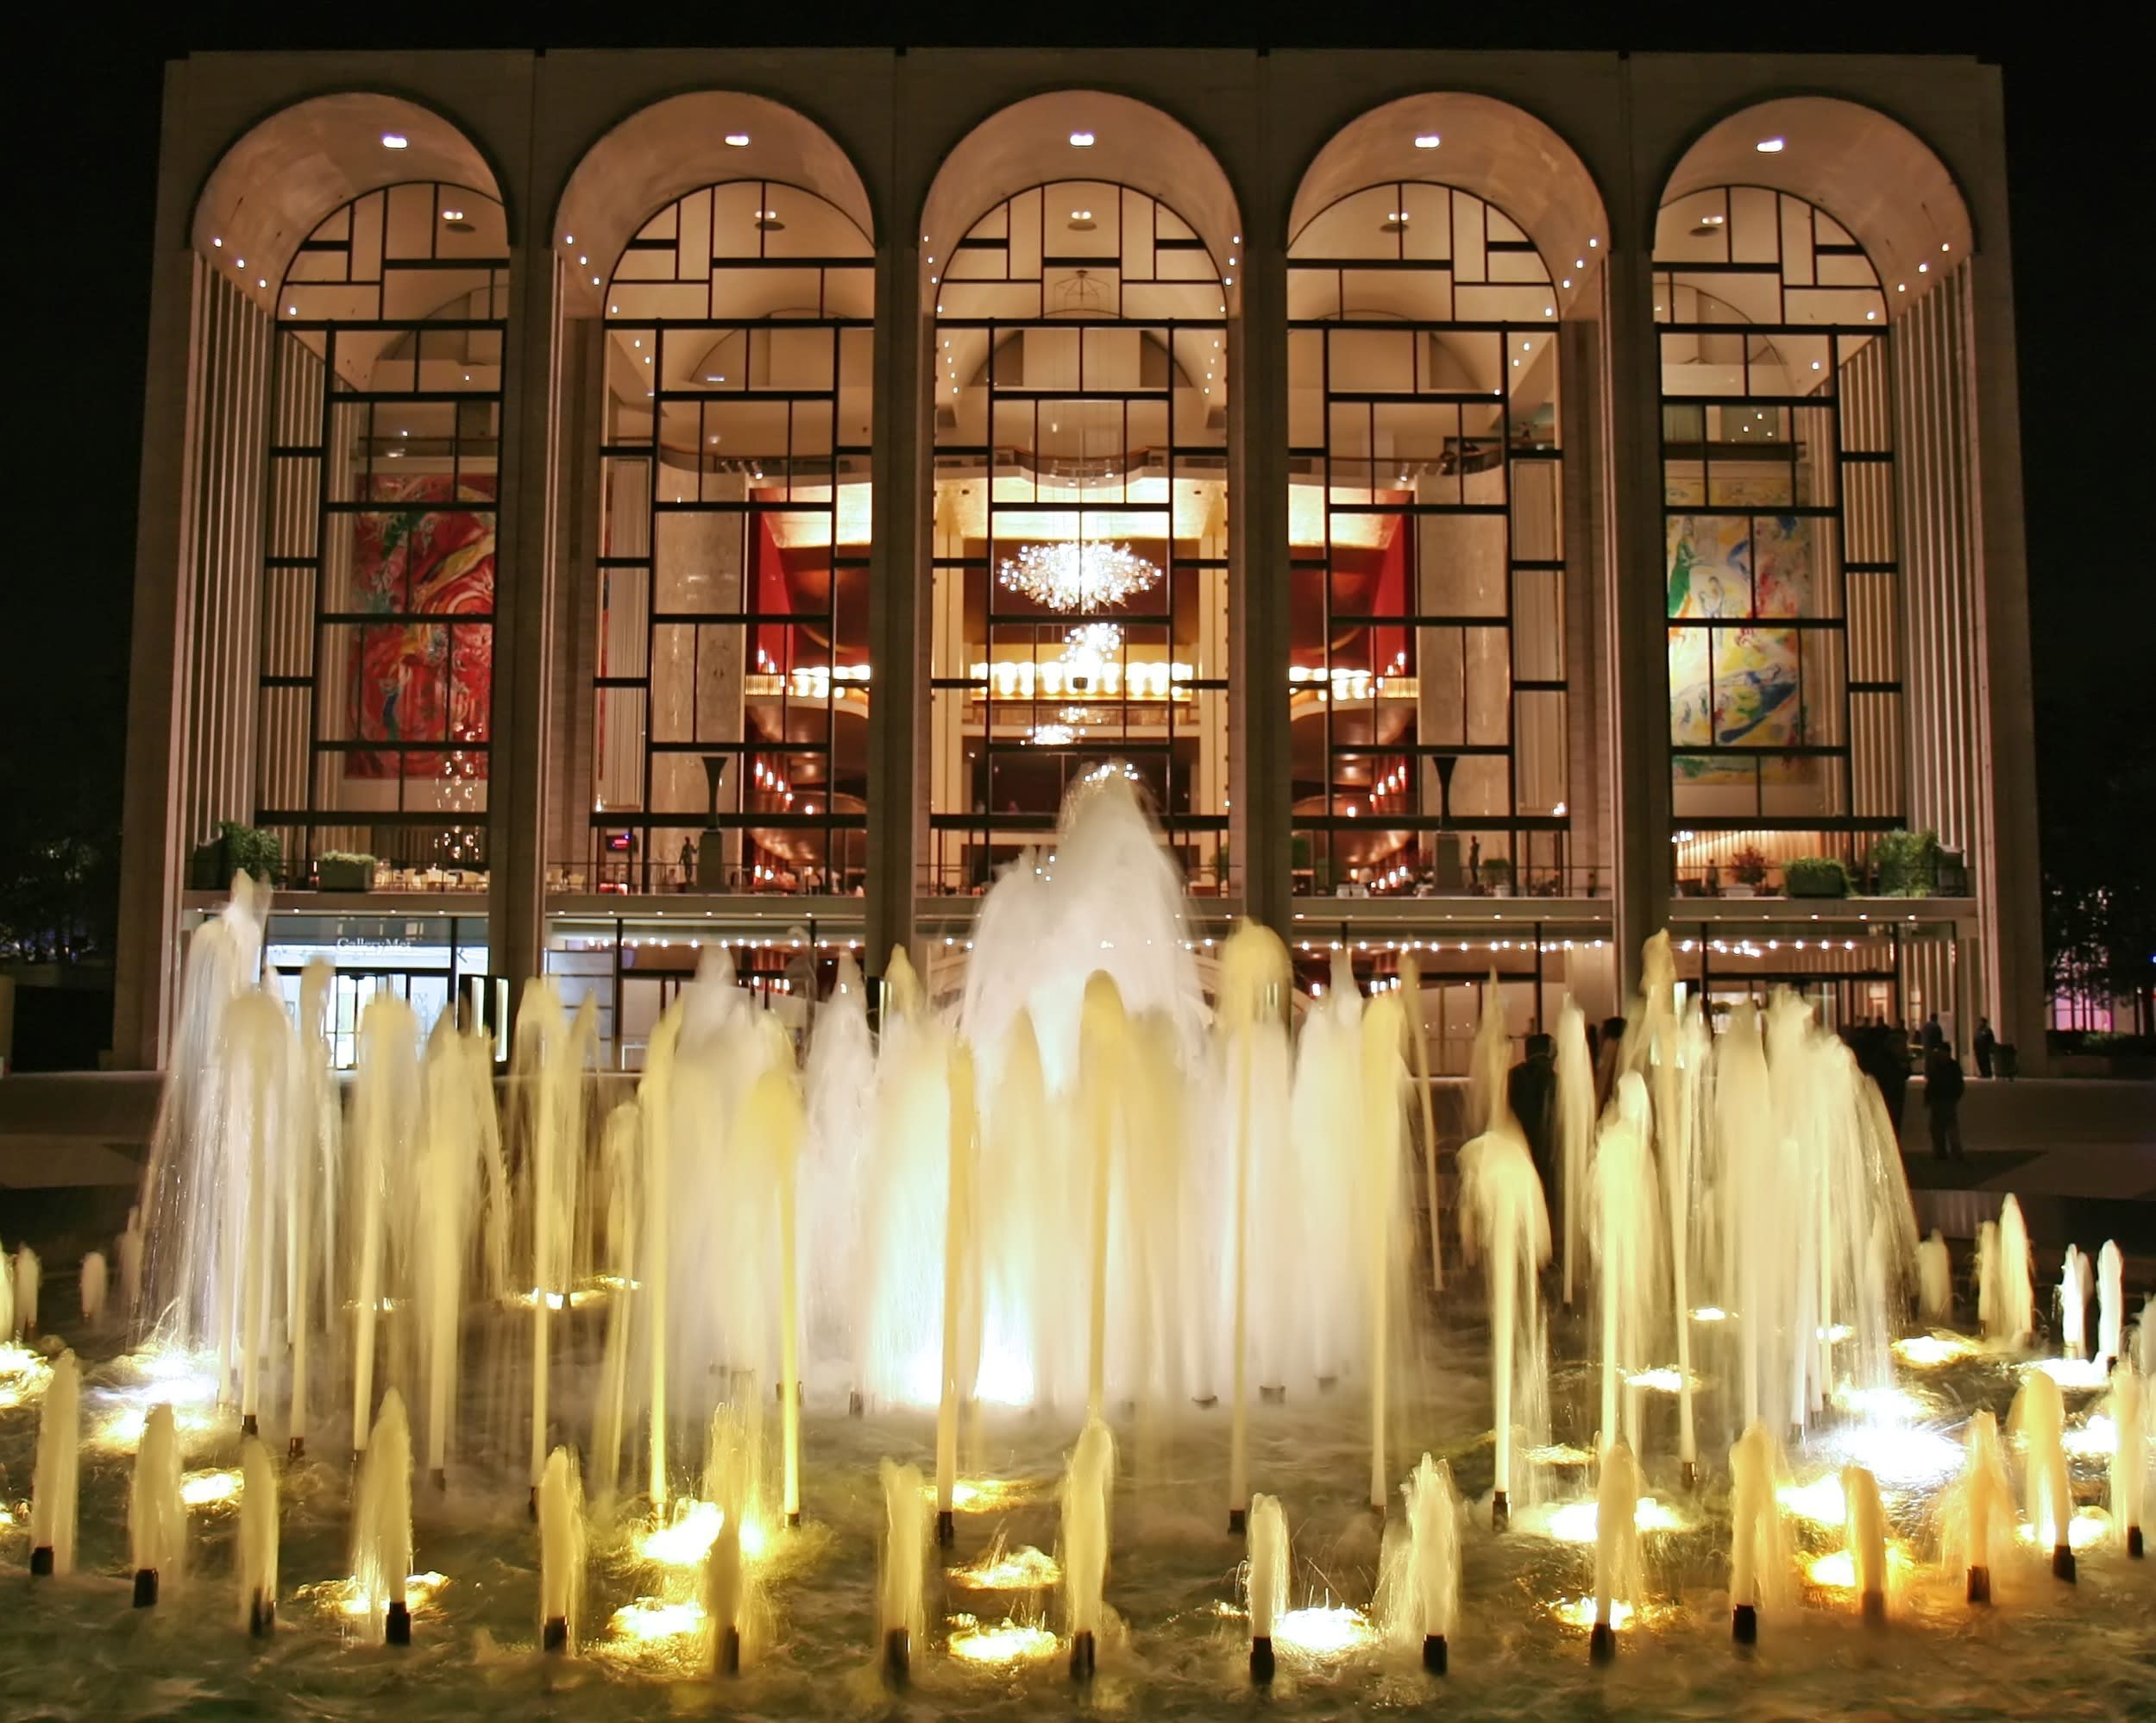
x=1870 y=173
x=273 y=187
x=675 y=147
x=1502 y=154
x=1029 y=144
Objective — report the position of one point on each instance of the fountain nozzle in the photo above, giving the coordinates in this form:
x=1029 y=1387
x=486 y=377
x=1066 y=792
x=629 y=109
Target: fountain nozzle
x=440 y=1479
x=1602 y=1643
x=1082 y=1656
x=1261 y=1661
x=2134 y=1542
x=262 y=1615
x=1980 y=1585
x=1688 y=1475
x=1501 y=1512
x=145 y=1588
x=250 y=1424
x=397 y=1625
x=730 y=1651
x=1238 y=1521
x=946 y=1528
x=41 y=1561
x=554 y=1637
x=2063 y=1563
x=1433 y=1654
x=297 y=1449
x=898 y=1655
x=1743 y=1624
x=1874 y=1609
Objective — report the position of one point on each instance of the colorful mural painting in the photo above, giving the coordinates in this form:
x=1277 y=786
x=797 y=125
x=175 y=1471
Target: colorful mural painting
x=1737 y=685
x=416 y=679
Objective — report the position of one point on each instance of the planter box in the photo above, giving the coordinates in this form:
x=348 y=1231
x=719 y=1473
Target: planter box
x=344 y=875
x=1796 y=888
x=1739 y=892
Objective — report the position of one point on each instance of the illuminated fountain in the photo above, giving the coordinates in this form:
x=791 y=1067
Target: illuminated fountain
x=1265 y=1583
x=2077 y=1279
x=53 y=1485
x=2039 y=1419
x=258 y=1538
x=1502 y=1214
x=157 y=1518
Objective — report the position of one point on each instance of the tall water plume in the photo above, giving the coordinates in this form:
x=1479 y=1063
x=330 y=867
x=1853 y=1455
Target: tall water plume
x=2110 y=1301
x=1973 y=1517
x=2039 y=1419
x=2129 y=1454
x=57 y=1470
x=384 y=1120
x=1760 y=1574
x=381 y=1523
x=1265 y=1580
x=1503 y=1216
x=1377 y=1235
x=1575 y=1137
x=258 y=1538
x=1865 y=1533
x=2013 y=1321
x=1618 y=1577
x=901 y=1616
x=1626 y=1201
x=1424 y=1601
x=157 y=1519
x=2077 y=1279
x=1934 y=1279
x=1087 y=1487
x=560 y=1551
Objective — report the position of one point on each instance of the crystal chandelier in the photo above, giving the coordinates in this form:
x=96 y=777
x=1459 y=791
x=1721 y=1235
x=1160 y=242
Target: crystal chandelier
x=1070 y=576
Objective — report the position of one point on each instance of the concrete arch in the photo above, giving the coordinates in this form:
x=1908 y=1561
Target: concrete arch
x=277 y=181
x=1029 y=144
x=1495 y=149
x=676 y=146
x=1875 y=176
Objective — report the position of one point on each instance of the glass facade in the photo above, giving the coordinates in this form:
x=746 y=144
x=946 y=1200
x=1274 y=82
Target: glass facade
x=1784 y=594
x=379 y=578
x=1080 y=604
x=730 y=667
x=1427 y=676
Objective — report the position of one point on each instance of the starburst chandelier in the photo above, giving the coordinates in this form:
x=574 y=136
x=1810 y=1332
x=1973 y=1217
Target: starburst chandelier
x=1072 y=575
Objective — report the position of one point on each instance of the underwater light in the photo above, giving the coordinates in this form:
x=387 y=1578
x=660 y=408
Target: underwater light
x=1837 y=1570
x=209 y=1489
x=648 y=1618
x=1024 y=1568
x=1580 y=1611
x=1011 y=1643
x=1926 y=1350
x=687 y=1537
x=2089 y=1527
x=1575 y=1522
x=2097 y=1438
x=1329 y=1631
x=2073 y=1373
x=1819 y=1501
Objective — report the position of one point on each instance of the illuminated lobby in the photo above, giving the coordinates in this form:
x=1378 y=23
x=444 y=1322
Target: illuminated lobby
x=600 y=504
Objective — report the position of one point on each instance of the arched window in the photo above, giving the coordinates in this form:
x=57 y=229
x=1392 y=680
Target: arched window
x=378 y=588
x=1427 y=664
x=1782 y=583
x=1081 y=582
x=730 y=664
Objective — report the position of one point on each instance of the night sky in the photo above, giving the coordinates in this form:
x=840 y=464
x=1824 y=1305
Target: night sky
x=86 y=157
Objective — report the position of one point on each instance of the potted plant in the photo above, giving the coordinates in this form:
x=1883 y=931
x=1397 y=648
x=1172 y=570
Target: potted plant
x=344 y=870
x=1747 y=871
x=237 y=849
x=1497 y=876
x=1906 y=863
x=1815 y=877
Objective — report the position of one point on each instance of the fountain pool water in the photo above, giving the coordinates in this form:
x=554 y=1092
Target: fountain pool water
x=619 y=1273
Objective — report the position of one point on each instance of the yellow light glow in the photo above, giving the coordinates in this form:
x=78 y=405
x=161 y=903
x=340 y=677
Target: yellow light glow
x=1011 y=1643
x=555 y=1301
x=1837 y=1570
x=2089 y=1527
x=349 y=1597
x=207 y=1489
x=2097 y=1438
x=1665 y=1381
x=121 y=1430
x=687 y=1537
x=1821 y=1501
x=647 y=1618
x=1834 y=1336
x=1893 y=1403
x=1926 y=1350
x=2073 y=1373
x=1557 y=1454
x=21 y=1361
x=1330 y=1631
x=1709 y=1313
x=980 y=1495
x=1578 y=1522
x=1580 y=1611
x=1024 y=1568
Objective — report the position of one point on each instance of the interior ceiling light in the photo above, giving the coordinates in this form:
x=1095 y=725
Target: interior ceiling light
x=452 y=215
x=1074 y=576
x=394 y=141
x=737 y=140
x=1427 y=141
x=1769 y=146
x=1081 y=140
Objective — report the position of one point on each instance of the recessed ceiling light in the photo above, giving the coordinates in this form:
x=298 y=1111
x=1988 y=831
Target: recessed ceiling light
x=394 y=140
x=737 y=140
x=217 y=241
x=452 y=215
x=1427 y=141
x=1923 y=268
x=1081 y=140
x=1769 y=146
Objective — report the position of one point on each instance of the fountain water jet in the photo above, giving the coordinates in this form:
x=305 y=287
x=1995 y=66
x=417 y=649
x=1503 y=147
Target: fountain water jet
x=2129 y=1454
x=1383 y=1026
x=560 y=1551
x=157 y=1519
x=29 y=1275
x=1503 y=1215
x=2076 y=1282
x=128 y=1252
x=258 y=1538
x=1575 y=1132
x=958 y=1294
x=92 y=1285
x=1974 y=1516
x=1759 y=1546
x=2110 y=1301
x=1086 y=1488
x=1264 y=1582
x=1865 y=1534
x=57 y=1469
x=2012 y=1321
x=381 y=1520
x=1934 y=1279
x=1625 y=1246
x=384 y=1114
x=1426 y=1599
x=1616 y=1573
x=2039 y=1418
x=900 y=1618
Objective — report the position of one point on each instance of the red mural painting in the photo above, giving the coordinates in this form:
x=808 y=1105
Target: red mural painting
x=422 y=681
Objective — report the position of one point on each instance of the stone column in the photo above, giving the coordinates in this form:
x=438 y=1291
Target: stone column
x=901 y=468
x=1260 y=770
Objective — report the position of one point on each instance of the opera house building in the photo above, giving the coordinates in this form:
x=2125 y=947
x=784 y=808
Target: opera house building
x=598 y=505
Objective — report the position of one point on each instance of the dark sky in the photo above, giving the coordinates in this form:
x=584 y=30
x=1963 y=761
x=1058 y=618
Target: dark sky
x=85 y=165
